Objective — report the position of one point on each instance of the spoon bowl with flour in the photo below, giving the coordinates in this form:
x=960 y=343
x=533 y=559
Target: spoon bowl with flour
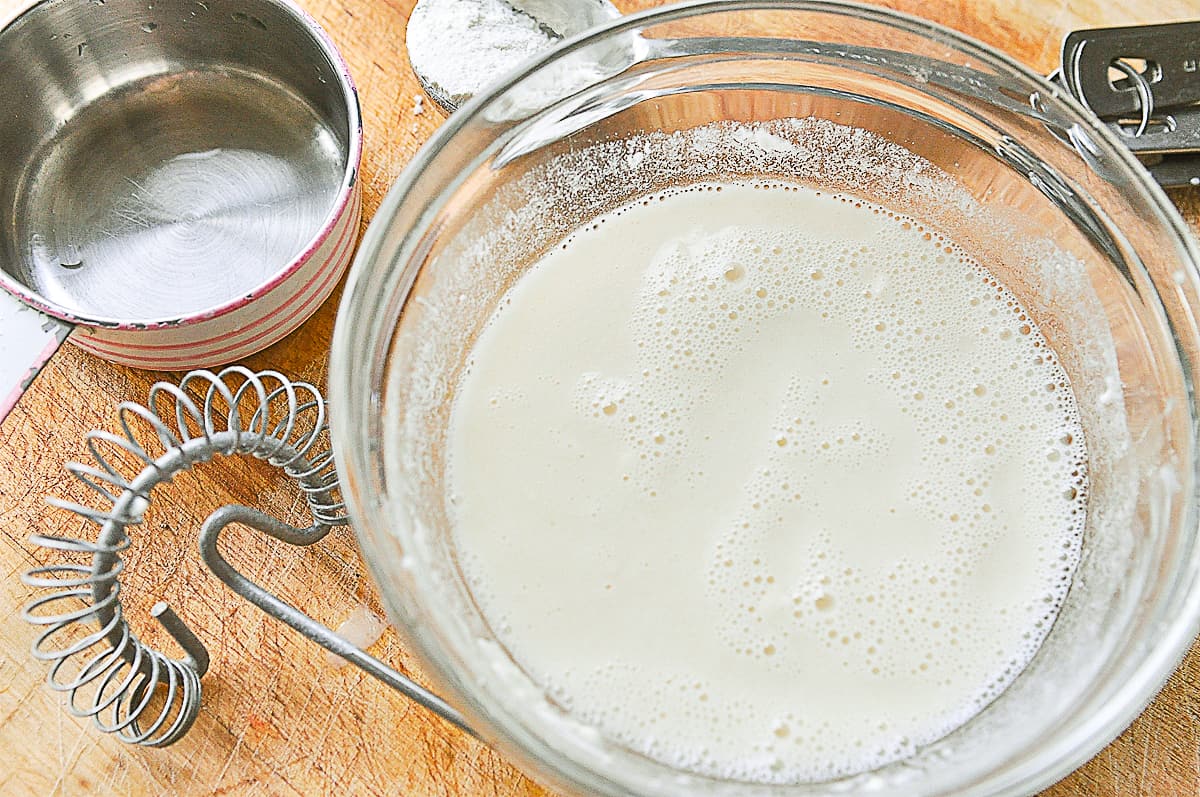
x=456 y=47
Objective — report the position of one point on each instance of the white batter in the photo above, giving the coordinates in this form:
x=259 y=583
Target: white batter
x=766 y=483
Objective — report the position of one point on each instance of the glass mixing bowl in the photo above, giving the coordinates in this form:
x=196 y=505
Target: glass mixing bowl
x=960 y=137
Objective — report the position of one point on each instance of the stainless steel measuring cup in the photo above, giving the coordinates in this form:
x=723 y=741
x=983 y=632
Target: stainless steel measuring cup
x=178 y=179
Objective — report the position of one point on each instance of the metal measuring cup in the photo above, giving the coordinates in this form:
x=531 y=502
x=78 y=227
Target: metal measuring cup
x=178 y=179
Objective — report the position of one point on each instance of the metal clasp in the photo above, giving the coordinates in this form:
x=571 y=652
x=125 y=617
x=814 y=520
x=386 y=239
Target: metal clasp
x=1144 y=83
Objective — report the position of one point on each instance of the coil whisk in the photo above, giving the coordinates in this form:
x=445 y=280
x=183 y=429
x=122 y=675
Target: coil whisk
x=129 y=689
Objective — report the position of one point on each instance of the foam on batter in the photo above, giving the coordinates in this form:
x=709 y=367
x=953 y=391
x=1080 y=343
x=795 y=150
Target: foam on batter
x=766 y=483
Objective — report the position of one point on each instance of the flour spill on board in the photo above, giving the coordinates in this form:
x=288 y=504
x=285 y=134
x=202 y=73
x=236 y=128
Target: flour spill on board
x=362 y=628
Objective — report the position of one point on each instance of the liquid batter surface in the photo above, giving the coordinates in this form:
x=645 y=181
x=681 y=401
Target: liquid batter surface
x=766 y=483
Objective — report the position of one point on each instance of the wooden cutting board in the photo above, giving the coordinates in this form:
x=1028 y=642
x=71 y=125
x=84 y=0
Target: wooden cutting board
x=277 y=717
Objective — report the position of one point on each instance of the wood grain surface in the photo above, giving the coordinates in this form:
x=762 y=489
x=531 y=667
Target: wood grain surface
x=277 y=717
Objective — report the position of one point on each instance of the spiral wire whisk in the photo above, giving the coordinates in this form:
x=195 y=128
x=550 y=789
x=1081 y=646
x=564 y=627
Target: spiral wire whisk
x=106 y=671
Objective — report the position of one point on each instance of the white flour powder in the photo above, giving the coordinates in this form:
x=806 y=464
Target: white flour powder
x=460 y=46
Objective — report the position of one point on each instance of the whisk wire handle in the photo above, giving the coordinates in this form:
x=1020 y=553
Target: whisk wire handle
x=271 y=604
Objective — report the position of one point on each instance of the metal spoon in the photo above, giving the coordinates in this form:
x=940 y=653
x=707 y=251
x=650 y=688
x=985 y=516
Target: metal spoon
x=451 y=82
